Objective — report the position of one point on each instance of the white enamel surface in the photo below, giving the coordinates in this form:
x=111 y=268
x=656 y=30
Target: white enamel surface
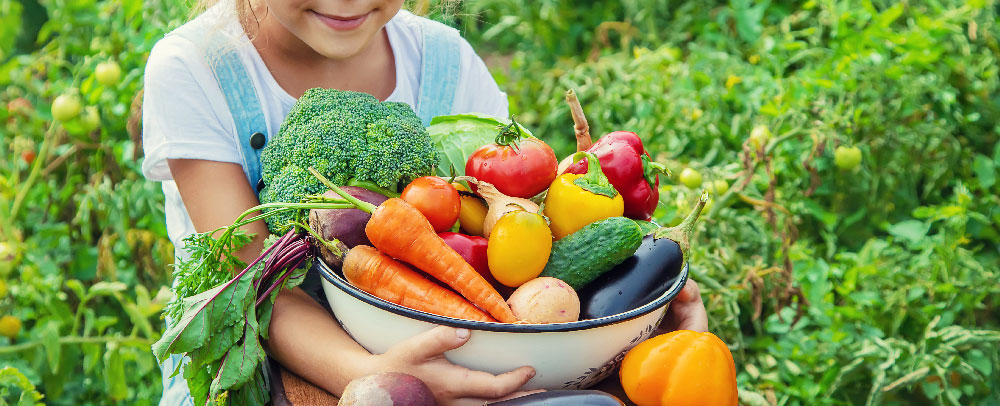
x=571 y=359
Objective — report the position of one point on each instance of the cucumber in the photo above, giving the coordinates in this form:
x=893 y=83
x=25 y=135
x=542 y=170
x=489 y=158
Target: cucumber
x=581 y=257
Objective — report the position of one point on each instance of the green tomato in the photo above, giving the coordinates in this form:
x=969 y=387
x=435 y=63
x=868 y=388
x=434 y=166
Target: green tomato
x=3 y=288
x=719 y=187
x=108 y=73
x=90 y=119
x=759 y=136
x=691 y=178
x=65 y=107
x=847 y=158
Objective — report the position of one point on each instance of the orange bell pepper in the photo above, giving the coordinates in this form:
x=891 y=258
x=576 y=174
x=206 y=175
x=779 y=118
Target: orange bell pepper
x=680 y=368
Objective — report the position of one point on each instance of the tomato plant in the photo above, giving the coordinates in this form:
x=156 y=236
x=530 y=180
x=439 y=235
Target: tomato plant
x=869 y=287
x=436 y=199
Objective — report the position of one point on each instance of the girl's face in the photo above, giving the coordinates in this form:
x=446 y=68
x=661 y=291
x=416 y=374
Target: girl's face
x=336 y=29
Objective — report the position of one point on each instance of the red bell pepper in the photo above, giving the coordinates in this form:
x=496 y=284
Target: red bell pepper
x=472 y=249
x=629 y=168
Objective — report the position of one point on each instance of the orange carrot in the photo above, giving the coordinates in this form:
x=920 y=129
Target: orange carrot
x=399 y=230
x=393 y=281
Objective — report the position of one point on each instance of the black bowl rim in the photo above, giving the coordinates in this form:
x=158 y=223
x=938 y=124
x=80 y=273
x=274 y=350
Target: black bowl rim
x=370 y=299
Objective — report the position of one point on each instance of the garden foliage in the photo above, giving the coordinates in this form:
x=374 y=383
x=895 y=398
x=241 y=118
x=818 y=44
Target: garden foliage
x=870 y=286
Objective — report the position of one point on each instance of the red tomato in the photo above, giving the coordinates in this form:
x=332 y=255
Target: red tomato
x=522 y=171
x=28 y=156
x=436 y=199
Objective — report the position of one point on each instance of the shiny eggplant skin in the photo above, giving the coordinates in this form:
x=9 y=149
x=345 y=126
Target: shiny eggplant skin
x=639 y=280
x=563 y=398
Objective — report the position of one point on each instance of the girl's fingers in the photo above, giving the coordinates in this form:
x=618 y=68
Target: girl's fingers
x=430 y=343
x=690 y=292
x=691 y=316
x=478 y=384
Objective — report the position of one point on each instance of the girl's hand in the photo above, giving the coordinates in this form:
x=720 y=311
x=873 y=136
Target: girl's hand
x=423 y=357
x=686 y=312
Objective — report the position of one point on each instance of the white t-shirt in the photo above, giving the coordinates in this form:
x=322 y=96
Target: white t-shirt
x=185 y=115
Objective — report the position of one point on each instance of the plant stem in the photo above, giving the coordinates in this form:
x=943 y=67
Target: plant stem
x=358 y=204
x=128 y=341
x=580 y=126
x=36 y=168
x=372 y=187
x=681 y=233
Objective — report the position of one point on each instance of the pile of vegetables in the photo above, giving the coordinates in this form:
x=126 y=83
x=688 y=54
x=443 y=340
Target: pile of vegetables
x=512 y=240
x=563 y=241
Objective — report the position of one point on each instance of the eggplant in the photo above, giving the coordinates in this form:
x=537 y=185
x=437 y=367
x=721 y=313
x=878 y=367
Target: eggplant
x=563 y=398
x=643 y=277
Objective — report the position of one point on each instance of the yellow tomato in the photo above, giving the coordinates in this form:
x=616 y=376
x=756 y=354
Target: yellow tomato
x=10 y=326
x=519 y=247
x=472 y=214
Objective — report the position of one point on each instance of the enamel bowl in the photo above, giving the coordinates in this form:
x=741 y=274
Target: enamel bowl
x=572 y=355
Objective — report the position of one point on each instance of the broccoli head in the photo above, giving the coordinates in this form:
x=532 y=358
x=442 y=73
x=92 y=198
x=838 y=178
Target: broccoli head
x=343 y=135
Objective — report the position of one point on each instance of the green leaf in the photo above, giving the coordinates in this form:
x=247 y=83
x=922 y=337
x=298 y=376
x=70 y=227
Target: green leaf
x=199 y=381
x=205 y=313
x=985 y=171
x=50 y=341
x=910 y=230
x=217 y=346
x=107 y=288
x=241 y=361
x=981 y=362
x=114 y=373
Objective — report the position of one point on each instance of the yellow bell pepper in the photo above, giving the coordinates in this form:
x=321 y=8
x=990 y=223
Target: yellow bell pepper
x=680 y=368
x=574 y=200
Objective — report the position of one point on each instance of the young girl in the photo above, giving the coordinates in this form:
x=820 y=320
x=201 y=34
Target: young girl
x=218 y=88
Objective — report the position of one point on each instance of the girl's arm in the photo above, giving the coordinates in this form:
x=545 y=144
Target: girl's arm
x=303 y=336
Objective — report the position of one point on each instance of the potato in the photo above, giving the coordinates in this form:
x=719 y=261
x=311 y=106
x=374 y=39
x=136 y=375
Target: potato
x=545 y=300
x=346 y=225
x=387 y=389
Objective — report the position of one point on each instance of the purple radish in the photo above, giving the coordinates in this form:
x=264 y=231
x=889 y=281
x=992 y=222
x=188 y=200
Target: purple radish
x=346 y=225
x=387 y=389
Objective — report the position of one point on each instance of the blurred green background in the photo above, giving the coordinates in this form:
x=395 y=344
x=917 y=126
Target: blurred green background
x=832 y=284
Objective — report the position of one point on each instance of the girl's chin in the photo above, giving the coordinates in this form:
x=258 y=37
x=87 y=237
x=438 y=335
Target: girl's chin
x=340 y=51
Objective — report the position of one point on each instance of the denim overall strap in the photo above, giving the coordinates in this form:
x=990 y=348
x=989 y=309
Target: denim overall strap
x=440 y=66
x=251 y=127
x=241 y=98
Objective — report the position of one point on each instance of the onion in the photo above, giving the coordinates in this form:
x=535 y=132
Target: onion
x=499 y=203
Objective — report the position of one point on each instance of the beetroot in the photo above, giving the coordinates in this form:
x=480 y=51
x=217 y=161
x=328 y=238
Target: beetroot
x=345 y=225
x=387 y=389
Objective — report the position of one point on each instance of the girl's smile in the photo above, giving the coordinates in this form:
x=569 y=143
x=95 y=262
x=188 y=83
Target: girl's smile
x=341 y=23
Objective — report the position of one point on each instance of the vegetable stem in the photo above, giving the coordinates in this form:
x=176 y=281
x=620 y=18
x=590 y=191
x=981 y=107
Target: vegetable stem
x=372 y=187
x=651 y=169
x=594 y=181
x=359 y=204
x=127 y=341
x=580 y=126
x=681 y=233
